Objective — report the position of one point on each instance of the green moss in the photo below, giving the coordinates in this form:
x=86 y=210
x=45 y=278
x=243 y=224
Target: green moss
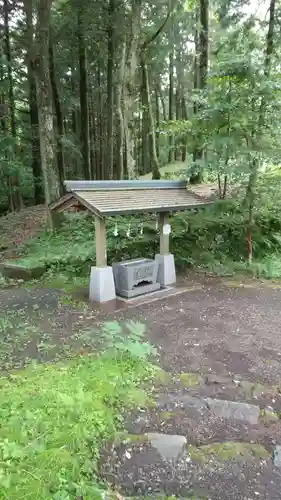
x=268 y=417
x=252 y=389
x=167 y=415
x=150 y=403
x=226 y=451
x=125 y=437
x=162 y=377
x=190 y=379
x=136 y=438
x=164 y=497
x=238 y=284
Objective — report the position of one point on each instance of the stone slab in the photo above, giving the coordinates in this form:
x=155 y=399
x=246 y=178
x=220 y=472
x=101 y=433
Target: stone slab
x=166 y=270
x=234 y=410
x=277 y=456
x=169 y=447
x=139 y=290
x=102 y=286
x=17 y=272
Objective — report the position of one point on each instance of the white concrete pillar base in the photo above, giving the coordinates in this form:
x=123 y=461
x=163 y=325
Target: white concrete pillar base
x=167 y=270
x=102 y=286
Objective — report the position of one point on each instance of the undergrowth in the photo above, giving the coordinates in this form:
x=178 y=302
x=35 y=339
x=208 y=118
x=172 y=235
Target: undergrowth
x=214 y=238
x=56 y=417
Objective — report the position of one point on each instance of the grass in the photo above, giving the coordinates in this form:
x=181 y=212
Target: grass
x=56 y=417
x=267 y=267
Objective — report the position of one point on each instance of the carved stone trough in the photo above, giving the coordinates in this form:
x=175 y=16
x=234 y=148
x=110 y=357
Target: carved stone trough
x=135 y=277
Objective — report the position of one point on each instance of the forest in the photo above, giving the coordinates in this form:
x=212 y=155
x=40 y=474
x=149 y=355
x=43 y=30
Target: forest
x=173 y=395
x=126 y=89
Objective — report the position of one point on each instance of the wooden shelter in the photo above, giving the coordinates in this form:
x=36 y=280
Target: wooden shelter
x=112 y=198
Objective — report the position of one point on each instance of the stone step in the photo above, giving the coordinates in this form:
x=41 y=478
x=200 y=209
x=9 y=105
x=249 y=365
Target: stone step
x=205 y=437
x=164 y=464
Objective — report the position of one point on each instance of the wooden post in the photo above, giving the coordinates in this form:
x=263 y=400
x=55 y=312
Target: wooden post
x=101 y=257
x=164 y=238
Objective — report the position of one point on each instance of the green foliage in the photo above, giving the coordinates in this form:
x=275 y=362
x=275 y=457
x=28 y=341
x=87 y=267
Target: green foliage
x=132 y=344
x=55 y=418
x=213 y=237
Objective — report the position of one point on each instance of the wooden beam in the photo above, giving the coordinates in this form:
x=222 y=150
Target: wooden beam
x=164 y=238
x=101 y=255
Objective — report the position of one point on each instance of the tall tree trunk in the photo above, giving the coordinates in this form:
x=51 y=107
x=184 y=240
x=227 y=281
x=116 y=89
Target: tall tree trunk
x=59 y=116
x=84 y=96
x=15 y=199
x=157 y=118
x=35 y=142
x=204 y=43
x=92 y=133
x=102 y=165
x=119 y=108
x=146 y=165
x=152 y=140
x=45 y=108
x=76 y=170
x=179 y=66
x=184 y=116
x=163 y=104
x=171 y=97
x=129 y=87
x=110 y=95
x=200 y=79
x=33 y=107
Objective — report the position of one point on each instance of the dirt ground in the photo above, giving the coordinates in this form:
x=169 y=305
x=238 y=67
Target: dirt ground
x=218 y=342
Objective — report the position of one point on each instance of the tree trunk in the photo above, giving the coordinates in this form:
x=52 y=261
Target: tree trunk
x=120 y=135
x=110 y=95
x=146 y=165
x=33 y=106
x=200 y=79
x=157 y=118
x=35 y=142
x=45 y=109
x=84 y=97
x=171 y=98
x=129 y=87
x=163 y=104
x=59 y=117
x=178 y=103
x=102 y=165
x=152 y=140
x=184 y=116
x=204 y=43
x=15 y=199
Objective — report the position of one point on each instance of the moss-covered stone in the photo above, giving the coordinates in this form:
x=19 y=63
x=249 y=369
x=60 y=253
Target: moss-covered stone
x=167 y=415
x=163 y=378
x=253 y=389
x=125 y=437
x=268 y=417
x=164 y=497
x=228 y=450
x=136 y=438
x=189 y=379
x=239 y=284
x=17 y=271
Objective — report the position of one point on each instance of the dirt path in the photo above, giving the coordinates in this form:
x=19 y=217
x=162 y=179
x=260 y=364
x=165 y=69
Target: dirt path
x=219 y=344
x=214 y=430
